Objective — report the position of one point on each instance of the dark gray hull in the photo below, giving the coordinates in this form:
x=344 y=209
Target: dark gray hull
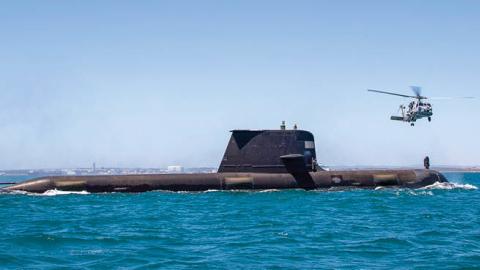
x=232 y=181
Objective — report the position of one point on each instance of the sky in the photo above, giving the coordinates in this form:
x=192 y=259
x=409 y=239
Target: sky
x=158 y=83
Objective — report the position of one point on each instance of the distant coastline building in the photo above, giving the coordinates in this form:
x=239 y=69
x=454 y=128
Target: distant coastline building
x=69 y=172
x=175 y=169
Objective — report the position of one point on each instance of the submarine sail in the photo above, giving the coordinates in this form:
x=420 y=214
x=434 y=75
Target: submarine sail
x=259 y=151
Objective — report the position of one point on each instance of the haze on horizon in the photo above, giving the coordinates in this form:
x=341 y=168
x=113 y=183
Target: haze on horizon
x=156 y=83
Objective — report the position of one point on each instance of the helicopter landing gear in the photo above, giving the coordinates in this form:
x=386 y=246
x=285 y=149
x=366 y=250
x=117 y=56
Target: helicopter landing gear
x=429 y=119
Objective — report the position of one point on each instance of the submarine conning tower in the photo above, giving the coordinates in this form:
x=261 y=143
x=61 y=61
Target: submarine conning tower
x=269 y=151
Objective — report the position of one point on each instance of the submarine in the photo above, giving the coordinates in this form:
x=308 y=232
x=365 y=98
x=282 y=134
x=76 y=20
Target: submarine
x=253 y=160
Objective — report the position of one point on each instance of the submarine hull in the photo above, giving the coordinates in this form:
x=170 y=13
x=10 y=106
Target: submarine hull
x=232 y=181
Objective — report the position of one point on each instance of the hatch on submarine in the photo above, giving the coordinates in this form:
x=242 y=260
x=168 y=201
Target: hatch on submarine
x=253 y=160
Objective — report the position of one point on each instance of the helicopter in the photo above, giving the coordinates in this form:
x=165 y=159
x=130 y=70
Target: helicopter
x=417 y=109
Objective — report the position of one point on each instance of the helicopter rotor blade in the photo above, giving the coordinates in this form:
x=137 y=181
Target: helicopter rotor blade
x=390 y=93
x=450 y=98
x=417 y=90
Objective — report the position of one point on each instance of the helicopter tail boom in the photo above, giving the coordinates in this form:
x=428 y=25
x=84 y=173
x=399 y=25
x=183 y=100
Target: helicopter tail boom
x=398 y=118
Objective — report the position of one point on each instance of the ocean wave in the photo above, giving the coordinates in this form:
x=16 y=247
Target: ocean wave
x=449 y=186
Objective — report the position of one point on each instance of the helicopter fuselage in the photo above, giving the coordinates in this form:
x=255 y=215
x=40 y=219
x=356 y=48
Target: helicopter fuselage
x=415 y=110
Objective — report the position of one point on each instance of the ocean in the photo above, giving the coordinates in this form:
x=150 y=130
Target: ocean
x=437 y=227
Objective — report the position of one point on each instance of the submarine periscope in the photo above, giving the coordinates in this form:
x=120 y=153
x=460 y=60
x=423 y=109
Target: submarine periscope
x=253 y=160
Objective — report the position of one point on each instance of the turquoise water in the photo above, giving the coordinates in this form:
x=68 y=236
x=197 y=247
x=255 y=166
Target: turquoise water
x=434 y=228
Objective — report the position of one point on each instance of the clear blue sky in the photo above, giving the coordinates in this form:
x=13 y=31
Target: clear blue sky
x=156 y=83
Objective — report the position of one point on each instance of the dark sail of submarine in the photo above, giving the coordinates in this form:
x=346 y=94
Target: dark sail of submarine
x=254 y=159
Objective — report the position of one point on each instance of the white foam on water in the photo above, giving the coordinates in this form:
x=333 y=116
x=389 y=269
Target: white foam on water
x=189 y=192
x=16 y=192
x=449 y=186
x=212 y=190
x=55 y=192
x=268 y=190
x=419 y=193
